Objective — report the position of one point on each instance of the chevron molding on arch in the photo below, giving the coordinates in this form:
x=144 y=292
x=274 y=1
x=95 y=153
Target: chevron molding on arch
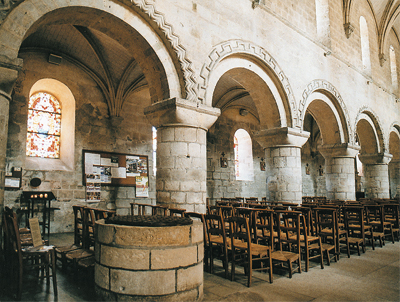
x=149 y=9
x=325 y=86
x=227 y=48
x=190 y=83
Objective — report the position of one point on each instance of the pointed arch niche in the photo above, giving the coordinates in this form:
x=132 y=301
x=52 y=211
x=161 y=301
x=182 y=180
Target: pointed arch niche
x=67 y=139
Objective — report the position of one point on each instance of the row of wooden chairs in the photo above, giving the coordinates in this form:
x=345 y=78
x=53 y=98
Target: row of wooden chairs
x=81 y=252
x=148 y=209
x=21 y=256
x=321 y=230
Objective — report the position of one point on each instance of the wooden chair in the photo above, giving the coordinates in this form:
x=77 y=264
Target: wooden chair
x=160 y=210
x=355 y=225
x=88 y=228
x=250 y=214
x=78 y=224
x=326 y=229
x=103 y=213
x=380 y=228
x=21 y=259
x=176 y=212
x=311 y=246
x=244 y=252
x=288 y=223
x=200 y=217
x=392 y=216
x=217 y=242
x=264 y=224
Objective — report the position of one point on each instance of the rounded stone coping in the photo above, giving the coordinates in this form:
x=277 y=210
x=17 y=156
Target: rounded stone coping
x=139 y=236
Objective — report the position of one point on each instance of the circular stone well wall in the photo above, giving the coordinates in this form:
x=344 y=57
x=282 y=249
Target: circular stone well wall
x=149 y=263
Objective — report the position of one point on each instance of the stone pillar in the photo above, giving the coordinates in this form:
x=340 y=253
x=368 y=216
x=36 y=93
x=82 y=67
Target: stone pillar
x=283 y=162
x=376 y=173
x=8 y=75
x=394 y=178
x=340 y=171
x=181 y=152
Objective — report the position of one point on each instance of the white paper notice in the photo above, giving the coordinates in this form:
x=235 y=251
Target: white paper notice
x=92 y=158
x=105 y=161
x=119 y=172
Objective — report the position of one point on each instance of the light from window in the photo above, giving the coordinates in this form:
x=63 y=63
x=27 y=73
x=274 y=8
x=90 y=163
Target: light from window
x=44 y=126
x=154 y=131
x=359 y=166
x=393 y=66
x=365 y=52
x=323 y=22
x=243 y=155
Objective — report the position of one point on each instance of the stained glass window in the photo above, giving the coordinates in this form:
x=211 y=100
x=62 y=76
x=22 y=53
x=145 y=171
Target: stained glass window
x=44 y=126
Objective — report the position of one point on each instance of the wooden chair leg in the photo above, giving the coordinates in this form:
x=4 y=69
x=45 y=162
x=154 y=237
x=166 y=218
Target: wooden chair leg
x=54 y=272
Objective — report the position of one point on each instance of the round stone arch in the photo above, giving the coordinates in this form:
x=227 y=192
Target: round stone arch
x=324 y=103
x=261 y=76
x=369 y=132
x=175 y=78
x=394 y=141
x=394 y=165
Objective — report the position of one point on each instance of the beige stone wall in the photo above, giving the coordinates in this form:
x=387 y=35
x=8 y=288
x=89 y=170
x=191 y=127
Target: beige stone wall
x=93 y=131
x=285 y=30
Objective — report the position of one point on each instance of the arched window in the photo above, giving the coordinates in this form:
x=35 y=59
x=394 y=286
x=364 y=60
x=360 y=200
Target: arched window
x=154 y=131
x=44 y=126
x=365 y=52
x=243 y=155
x=323 y=22
x=51 y=121
x=393 y=67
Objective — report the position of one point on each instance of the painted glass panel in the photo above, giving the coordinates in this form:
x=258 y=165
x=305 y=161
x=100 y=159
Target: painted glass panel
x=44 y=126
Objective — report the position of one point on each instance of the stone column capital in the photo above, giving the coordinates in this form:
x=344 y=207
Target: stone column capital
x=375 y=159
x=8 y=75
x=176 y=111
x=341 y=150
x=281 y=137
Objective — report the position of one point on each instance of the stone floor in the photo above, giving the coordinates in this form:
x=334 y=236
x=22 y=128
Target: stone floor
x=373 y=276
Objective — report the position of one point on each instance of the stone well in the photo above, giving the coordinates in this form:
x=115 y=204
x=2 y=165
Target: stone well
x=150 y=263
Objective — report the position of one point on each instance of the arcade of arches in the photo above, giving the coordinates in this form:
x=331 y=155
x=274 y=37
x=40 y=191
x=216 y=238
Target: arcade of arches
x=316 y=92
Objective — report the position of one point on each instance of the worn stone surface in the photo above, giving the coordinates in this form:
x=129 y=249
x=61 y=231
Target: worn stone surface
x=142 y=282
x=133 y=259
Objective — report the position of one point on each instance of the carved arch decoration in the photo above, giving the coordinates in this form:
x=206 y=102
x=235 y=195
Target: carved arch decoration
x=236 y=47
x=328 y=89
x=382 y=140
x=158 y=22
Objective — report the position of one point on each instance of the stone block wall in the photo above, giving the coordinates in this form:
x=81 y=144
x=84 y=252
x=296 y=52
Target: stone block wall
x=94 y=130
x=221 y=182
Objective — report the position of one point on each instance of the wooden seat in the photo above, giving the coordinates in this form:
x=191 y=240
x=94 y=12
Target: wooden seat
x=355 y=225
x=326 y=229
x=381 y=229
x=311 y=246
x=245 y=252
x=217 y=243
x=289 y=249
x=392 y=216
x=20 y=259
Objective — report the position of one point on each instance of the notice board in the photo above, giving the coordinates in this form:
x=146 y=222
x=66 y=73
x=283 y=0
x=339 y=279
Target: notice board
x=113 y=169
